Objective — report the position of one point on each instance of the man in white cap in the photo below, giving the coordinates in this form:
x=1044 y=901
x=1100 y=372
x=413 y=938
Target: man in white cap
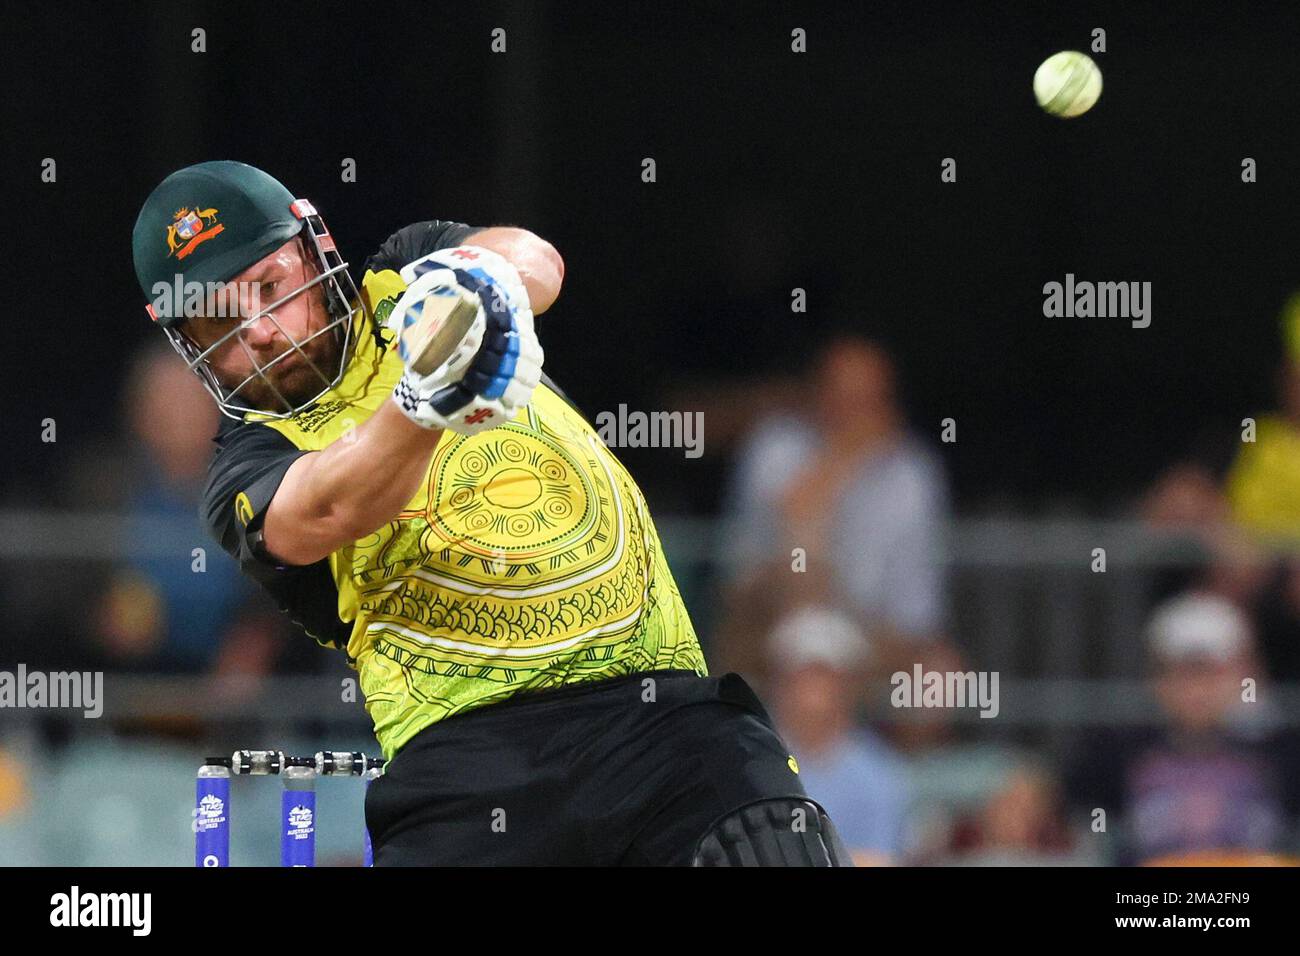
x=819 y=656
x=1201 y=648
x=1208 y=779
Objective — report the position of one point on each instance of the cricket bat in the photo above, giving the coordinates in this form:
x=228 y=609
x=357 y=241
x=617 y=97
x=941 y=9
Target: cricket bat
x=445 y=317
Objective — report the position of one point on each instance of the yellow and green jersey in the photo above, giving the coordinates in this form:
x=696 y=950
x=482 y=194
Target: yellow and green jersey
x=527 y=559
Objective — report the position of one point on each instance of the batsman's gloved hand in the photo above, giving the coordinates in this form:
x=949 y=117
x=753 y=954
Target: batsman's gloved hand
x=492 y=368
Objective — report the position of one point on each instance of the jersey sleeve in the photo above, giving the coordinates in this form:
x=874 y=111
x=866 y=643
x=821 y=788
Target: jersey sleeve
x=417 y=240
x=242 y=479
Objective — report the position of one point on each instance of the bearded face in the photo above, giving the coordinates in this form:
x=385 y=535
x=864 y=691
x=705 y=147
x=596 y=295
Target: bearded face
x=278 y=351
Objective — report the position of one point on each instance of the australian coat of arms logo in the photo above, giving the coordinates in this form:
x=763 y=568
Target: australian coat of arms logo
x=189 y=228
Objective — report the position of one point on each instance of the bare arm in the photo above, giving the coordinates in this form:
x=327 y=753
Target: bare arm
x=539 y=265
x=332 y=497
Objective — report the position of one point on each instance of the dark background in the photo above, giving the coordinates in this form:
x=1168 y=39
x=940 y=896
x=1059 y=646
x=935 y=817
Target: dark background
x=775 y=170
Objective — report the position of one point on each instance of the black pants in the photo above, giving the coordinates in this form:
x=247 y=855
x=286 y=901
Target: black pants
x=629 y=771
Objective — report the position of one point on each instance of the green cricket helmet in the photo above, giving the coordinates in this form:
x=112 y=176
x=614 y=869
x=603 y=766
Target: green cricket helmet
x=204 y=225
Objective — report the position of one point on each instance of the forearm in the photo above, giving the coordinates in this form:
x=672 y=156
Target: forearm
x=331 y=498
x=537 y=261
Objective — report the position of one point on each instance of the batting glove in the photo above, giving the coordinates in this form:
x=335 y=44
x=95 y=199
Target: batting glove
x=492 y=361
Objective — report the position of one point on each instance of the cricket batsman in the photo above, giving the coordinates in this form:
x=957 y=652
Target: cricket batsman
x=395 y=469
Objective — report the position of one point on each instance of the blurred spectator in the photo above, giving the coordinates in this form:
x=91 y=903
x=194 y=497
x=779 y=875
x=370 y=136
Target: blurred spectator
x=1264 y=483
x=1235 y=522
x=159 y=612
x=954 y=766
x=1020 y=824
x=849 y=485
x=1206 y=549
x=1211 y=778
x=819 y=654
x=1263 y=487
